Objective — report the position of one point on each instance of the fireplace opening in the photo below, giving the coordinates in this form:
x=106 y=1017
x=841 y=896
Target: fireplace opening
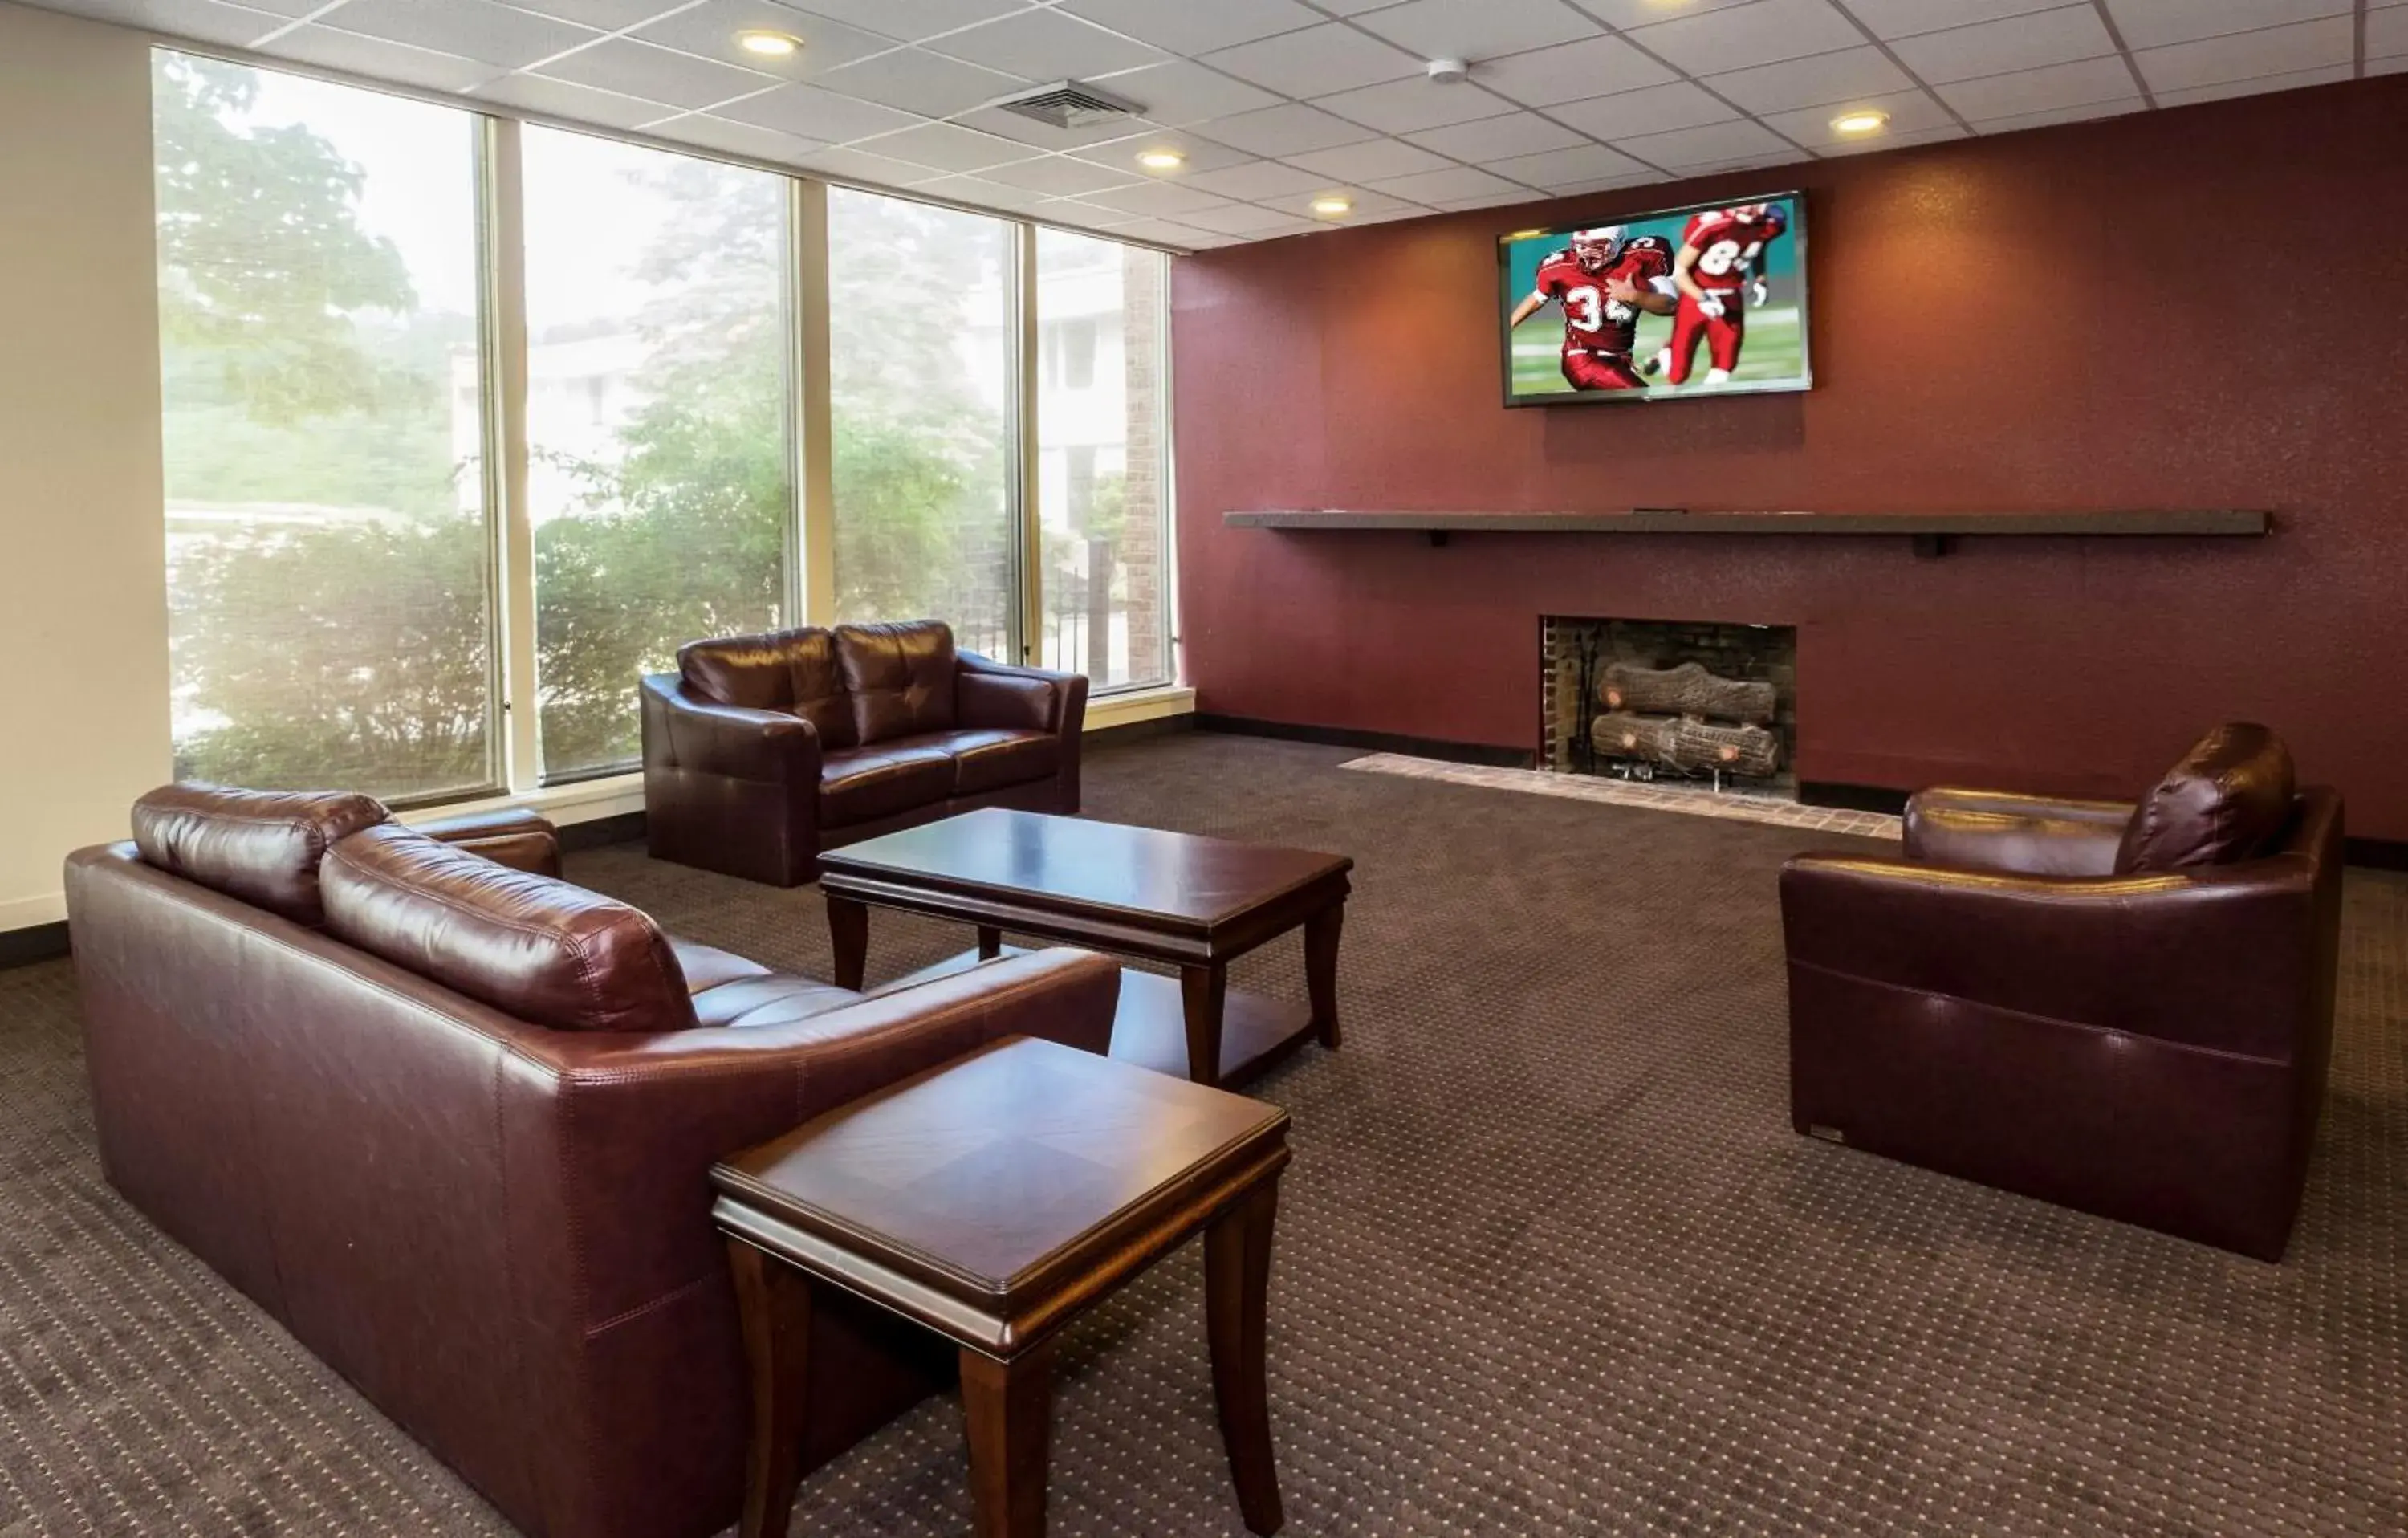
x=1689 y=702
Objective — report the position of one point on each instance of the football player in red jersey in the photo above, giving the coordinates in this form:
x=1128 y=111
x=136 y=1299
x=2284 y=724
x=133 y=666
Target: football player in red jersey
x=1603 y=280
x=1717 y=273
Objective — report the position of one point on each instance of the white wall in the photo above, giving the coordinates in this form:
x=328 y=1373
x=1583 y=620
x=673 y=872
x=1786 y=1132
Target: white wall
x=83 y=605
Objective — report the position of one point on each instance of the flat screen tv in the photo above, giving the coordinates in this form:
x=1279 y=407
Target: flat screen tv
x=1701 y=301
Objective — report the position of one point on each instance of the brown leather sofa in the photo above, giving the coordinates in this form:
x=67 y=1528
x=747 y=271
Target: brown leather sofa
x=2126 y=1010
x=761 y=751
x=450 y=1121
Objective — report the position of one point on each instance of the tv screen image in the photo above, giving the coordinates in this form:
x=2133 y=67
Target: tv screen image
x=1708 y=300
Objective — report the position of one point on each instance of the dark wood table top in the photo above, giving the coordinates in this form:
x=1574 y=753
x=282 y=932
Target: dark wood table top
x=1070 y=865
x=1024 y=1176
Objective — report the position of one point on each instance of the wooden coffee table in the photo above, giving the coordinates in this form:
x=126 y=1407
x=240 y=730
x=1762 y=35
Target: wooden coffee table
x=1195 y=902
x=992 y=1200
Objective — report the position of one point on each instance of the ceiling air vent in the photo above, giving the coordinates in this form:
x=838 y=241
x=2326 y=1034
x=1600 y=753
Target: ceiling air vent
x=1068 y=104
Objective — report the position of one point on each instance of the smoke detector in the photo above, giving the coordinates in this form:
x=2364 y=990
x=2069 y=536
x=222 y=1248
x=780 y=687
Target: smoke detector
x=1449 y=71
x=1069 y=103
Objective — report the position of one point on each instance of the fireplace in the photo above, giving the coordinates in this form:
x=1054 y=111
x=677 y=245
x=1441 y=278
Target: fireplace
x=1685 y=701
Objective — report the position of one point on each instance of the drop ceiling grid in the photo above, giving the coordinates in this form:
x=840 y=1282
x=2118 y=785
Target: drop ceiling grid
x=1329 y=89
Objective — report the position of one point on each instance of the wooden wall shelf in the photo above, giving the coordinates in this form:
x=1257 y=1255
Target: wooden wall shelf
x=1931 y=533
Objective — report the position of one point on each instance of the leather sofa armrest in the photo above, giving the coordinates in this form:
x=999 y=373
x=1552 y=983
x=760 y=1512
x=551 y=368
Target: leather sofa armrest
x=704 y=736
x=2221 y=958
x=991 y=695
x=511 y=836
x=2027 y=835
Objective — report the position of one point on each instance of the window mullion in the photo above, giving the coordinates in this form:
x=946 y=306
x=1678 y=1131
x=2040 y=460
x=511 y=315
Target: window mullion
x=1028 y=564
x=813 y=582
x=506 y=458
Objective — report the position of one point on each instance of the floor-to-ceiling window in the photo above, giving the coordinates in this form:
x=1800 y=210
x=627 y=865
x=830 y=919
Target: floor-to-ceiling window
x=383 y=546
x=659 y=421
x=328 y=573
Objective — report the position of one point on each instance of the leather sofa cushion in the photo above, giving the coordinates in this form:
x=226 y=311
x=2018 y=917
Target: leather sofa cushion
x=985 y=760
x=860 y=784
x=263 y=846
x=706 y=967
x=2228 y=799
x=900 y=677
x=531 y=946
x=793 y=670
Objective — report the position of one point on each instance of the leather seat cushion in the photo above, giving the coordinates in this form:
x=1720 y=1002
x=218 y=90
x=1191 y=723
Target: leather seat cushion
x=708 y=967
x=531 y=946
x=792 y=671
x=860 y=784
x=992 y=758
x=900 y=678
x=768 y=999
x=262 y=846
x=2228 y=799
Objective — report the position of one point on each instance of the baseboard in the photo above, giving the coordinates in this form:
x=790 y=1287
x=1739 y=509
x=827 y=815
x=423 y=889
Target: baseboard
x=1138 y=731
x=31 y=944
x=1847 y=798
x=621 y=828
x=2379 y=854
x=1344 y=736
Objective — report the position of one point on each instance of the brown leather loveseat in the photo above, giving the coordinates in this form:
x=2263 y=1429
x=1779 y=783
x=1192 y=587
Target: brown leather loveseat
x=760 y=751
x=450 y=1121
x=2124 y=1009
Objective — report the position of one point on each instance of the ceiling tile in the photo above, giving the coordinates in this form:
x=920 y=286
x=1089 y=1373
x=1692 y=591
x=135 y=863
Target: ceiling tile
x=708 y=31
x=608 y=15
x=1046 y=45
x=984 y=192
x=861 y=165
x=2277 y=51
x=1496 y=139
x=948 y=146
x=1263 y=179
x=1184 y=26
x=655 y=74
x=1287 y=130
x=286 y=8
x=203 y=20
x=1403 y=106
x=1706 y=146
x=1892 y=139
x=817 y=114
x=1838 y=77
x=1202 y=155
x=2257 y=84
x=1679 y=104
x=331 y=48
x=1493 y=200
x=1994 y=48
x=2153 y=23
x=1353 y=7
x=1739 y=36
x=1562 y=170
x=2079 y=113
x=576 y=103
x=1059 y=176
x=1456 y=181
x=1627 y=14
x=2386 y=32
x=1315 y=60
x=469 y=29
x=909 y=21
x=1478 y=29
x=1369 y=162
x=919 y=81
x=1910 y=112
x=1166 y=232
x=2028 y=91
x=1368 y=206
x=1044 y=136
x=728 y=137
x=1608 y=185
x=1594 y=68
x=1905 y=17
x=1248 y=219
x=1180 y=92
x=1156 y=197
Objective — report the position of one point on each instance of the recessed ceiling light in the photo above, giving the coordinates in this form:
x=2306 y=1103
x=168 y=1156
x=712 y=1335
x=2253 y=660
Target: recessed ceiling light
x=769 y=45
x=1332 y=205
x=1867 y=121
x=1161 y=160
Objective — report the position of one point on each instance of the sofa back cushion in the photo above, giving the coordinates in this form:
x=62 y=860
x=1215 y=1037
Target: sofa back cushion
x=792 y=671
x=531 y=946
x=2230 y=799
x=263 y=846
x=900 y=677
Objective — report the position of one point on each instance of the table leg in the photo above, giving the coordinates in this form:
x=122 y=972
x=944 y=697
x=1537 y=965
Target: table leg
x=774 y=1303
x=990 y=943
x=1321 y=969
x=1236 y=1287
x=1203 y=993
x=1009 y=1408
x=849 y=933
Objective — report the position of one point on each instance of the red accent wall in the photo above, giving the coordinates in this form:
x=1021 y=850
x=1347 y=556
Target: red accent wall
x=2199 y=308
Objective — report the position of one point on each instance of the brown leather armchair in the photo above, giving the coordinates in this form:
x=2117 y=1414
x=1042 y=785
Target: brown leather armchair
x=761 y=751
x=451 y=1122
x=2126 y=1010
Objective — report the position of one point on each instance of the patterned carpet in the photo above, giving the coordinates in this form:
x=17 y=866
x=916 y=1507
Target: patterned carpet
x=1549 y=1260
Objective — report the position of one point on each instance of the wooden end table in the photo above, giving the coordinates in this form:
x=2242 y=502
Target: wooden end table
x=1198 y=903
x=990 y=1199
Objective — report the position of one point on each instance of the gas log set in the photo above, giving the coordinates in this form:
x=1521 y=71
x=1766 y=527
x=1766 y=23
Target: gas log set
x=1686 y=720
